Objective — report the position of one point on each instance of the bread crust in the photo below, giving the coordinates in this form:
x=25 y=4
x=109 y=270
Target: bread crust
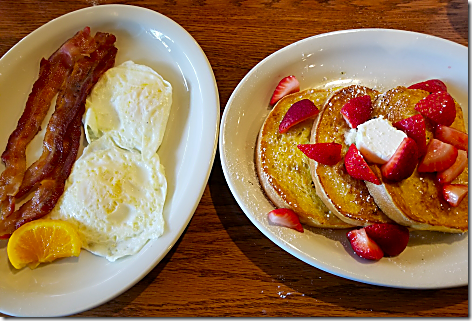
x=274 y=170
x=346 y=197
x=416 y=201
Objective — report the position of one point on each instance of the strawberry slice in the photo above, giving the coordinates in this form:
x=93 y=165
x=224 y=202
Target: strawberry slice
x=403 y=162
x=298 y=112
x=448 y=175
x=454 y=193
x=357 y=110
x=357 y=167
x=432 y=86
x=439 y=156
x=324 y=153
x=391 y=238
x=287 y=85
x=285 y=217
x=415 y=128
x=439 y=107
x=452 y=136
x=363 y=245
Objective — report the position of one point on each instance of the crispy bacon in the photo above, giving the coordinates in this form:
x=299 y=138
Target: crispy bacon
x=52 y=74
x=50 y=188
x=74 y=92
x=90 y=59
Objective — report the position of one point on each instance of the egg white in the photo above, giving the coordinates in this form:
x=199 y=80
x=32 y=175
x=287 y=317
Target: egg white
x=115 y=199
x=131 y=103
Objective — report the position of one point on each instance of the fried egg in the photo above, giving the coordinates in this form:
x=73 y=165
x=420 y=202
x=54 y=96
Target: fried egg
x=131 y=103
x=115 y=199
x=116 y=191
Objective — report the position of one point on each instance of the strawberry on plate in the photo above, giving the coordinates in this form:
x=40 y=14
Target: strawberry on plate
x=357 y=167
x=439 y=107
x=298 y=112
x=415 y=128
x=454 y=193
x=391 y=238
x=432 y=86
x=363 y=245
x=452 y=136
x=448 y=175
x=403 y=162
x=285 y=217
x=287 y=85
x=324 y=153
x=357 y=110
x=439 y=156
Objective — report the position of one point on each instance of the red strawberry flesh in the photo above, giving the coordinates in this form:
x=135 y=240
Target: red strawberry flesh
x=298 y=112
x=452 y=136
x=324 y=153
x=357 y=110
x=439 y=107
x=363 y=245
x=286 y=86
x=403 y=162
x=285 y=217
x=391 y=238
x=357 y=167
x=432 y=85
x=448 y=175
x=415 y=128
x=439 y=156
x=454 y=193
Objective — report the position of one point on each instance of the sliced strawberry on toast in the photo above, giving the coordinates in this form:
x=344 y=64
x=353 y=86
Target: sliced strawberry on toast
x=452 y=136
x=357 y=167
x=448 y=175
x=363 y=245
x=285 y=217
x=439 y=107
x=287 y=85
x=403 y=162
x=454 y=193
x=324 y=153
x=391 y=238
x=298 y=112
x=415 y=128
x=357 y=110
x=432 y=86
x=439 y=156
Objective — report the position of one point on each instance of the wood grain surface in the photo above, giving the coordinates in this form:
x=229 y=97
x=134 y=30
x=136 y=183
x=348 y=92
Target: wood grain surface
x=223 y=265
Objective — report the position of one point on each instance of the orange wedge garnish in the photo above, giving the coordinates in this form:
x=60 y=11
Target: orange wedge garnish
x=42 y=241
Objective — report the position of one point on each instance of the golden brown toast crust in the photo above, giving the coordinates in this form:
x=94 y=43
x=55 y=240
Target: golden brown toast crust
x=417 y=200
x=283 y=169
x=347 y=197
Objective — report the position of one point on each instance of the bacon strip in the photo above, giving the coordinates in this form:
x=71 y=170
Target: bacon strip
x=76 y=89
x=61 y=140
x=51 y=188
x=52 y=74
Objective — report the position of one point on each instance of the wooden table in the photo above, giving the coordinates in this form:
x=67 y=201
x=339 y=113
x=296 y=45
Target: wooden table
x=223 y=265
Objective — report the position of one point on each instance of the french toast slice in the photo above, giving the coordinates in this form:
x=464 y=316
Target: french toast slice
x=347 y=197
x=417 y=201
x=283 y=169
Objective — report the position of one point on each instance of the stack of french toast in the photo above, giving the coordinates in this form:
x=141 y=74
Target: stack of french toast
x=404 y=188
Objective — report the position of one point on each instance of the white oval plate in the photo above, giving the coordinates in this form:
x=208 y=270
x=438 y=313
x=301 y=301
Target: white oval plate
x=72 y=285
x=372 y=57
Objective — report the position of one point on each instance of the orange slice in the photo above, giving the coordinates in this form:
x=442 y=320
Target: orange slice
x=42 y=241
